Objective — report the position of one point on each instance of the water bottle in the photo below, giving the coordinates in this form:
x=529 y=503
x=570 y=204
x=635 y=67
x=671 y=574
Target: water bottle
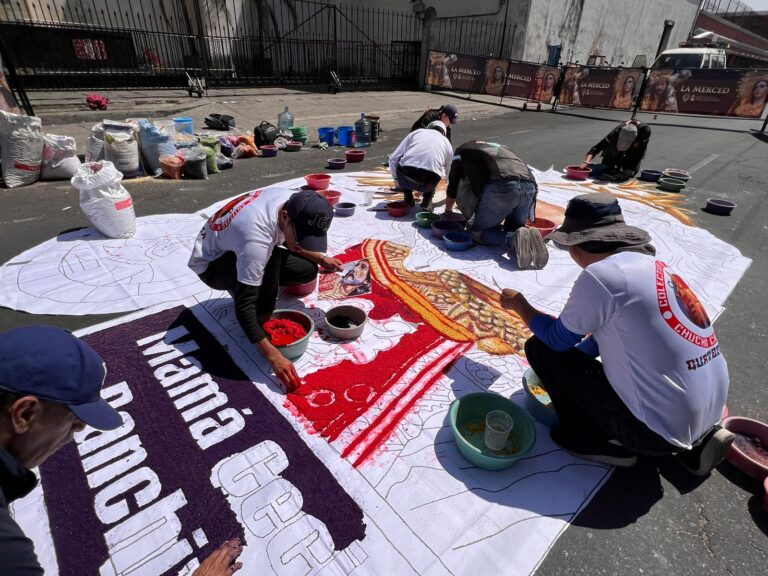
x=284 y=120
x=362 y=132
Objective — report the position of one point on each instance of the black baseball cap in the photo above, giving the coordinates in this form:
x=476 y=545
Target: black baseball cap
x=52 y=364
x=311 y=215
x=452 y=112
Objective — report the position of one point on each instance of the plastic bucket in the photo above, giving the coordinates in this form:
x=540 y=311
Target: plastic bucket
x=375 y=126
x=346 y=135
x=184 y=124
x=327 y=135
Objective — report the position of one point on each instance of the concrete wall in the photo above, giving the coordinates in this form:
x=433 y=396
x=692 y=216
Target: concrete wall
x=619 y=30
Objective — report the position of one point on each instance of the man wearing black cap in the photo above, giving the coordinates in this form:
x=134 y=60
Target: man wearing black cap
x=448 y=115
x=50 y=383
x=622 y=149
x=256 y=243
x=662 y=383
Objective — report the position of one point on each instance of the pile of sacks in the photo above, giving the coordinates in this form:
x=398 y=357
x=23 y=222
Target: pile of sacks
x=28 y=155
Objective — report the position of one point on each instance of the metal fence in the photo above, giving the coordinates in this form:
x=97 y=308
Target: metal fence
x=473 y=36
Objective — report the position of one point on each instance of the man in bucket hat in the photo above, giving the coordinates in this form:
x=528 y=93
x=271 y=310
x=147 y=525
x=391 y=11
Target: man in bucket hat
x=622 y=149
x=662 y=383
x=256 y=243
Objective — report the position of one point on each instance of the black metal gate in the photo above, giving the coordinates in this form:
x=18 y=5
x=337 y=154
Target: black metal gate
x=97 y=44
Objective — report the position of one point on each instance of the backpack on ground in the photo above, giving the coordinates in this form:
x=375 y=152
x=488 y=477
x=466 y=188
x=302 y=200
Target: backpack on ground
x=265 y=133
x=219 y=121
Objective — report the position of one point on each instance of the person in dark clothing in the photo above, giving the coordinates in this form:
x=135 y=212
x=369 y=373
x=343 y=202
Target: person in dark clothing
x=50 y=383
x=495 y=188
x=622 y=149
x=447 y=114
x=256 y=243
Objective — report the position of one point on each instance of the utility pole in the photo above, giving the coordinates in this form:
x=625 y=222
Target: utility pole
x=504 y=31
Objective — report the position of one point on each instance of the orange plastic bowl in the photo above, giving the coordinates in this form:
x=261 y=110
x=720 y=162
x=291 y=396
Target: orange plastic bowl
x=743 y=454
x=332 y=196
x=397 y=209
x=301 y=289
x=574 y=172
x=546 y=227
x=318 y=181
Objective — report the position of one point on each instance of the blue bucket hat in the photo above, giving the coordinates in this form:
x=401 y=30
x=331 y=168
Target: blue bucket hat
x=52 y=364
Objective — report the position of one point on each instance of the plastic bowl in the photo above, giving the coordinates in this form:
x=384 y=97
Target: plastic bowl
x=397 y=209
x=467 y=418
x=293 y=146
x=300 y=289
x=336 y=163
x=747 y=462
x=546 y=227
x=650 y=175
x=354 y=155
x=332 y=196
x=354 y=314
x=457 y=240
x=538 y=404
x=295 y=350
x=318 y=181
x=425 y=219
x=671 y=184
x=440 y=227
x=575 y=172
x=720 y=206
x=596 y=170
x=679 y=174
x=268 y=151
x=345 y=209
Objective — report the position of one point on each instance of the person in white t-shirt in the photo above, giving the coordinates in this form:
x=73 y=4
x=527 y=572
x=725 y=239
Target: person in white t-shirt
x=662 y=382
x=256 y=243
x=421 y=160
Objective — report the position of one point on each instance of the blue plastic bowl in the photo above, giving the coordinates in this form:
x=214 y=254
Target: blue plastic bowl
x=540 y=408
x=467 y=418
x=650 y=175
x=457 y=240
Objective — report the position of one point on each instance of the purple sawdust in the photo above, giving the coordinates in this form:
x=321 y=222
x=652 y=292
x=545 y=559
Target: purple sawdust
x=180 y=464
x=752 y=448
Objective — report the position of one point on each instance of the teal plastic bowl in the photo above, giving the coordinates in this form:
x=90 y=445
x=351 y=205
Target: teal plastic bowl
x=426 y=219
x=467 y=418
x=295 y=350
x=539 y=406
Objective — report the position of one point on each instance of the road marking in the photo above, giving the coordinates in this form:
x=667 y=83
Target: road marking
x=703 y=163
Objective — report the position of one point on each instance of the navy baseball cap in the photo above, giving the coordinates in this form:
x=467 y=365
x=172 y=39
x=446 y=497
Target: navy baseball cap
x=452 y=112
x=311 y=215
x=52 y=364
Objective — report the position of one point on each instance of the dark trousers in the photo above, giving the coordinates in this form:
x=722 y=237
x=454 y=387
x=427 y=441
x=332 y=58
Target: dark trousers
x=284 y=268
x=410 y=179
x=586 y=403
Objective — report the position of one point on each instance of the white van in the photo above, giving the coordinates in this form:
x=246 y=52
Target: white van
x=698 y=57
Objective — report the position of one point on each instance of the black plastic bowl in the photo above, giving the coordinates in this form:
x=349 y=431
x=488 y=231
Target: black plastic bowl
x=720 y=206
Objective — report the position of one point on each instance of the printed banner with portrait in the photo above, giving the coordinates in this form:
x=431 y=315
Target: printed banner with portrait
x=455 y=72
x=520 y=79
x=739 y=93
x=600 y=87
x=545 y=81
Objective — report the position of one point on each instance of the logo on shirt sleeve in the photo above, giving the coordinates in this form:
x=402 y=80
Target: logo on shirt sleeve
x=681 y=308
x=227 y=213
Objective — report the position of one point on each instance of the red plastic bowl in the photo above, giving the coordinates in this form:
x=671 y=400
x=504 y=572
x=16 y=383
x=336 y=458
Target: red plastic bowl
x=318 y=181
x=332 y=196
x=300 y=289
x=737 y=456
x=354 y=155
x=397 y=209
x=574 y=172
x=546 y=227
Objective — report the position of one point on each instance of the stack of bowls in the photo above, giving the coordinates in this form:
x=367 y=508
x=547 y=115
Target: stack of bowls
x=299 y=133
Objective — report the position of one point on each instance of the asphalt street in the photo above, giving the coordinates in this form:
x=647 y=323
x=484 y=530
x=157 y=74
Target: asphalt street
x=653 y=518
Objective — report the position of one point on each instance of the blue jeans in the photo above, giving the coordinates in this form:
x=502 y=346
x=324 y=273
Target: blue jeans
x=503 y=208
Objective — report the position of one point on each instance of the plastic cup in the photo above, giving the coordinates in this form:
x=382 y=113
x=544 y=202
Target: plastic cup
x=498 y=425
x=368 y=195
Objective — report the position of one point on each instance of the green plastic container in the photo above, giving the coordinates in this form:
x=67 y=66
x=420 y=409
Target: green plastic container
x=467 y=418
x=425 y=219
x=295 y=350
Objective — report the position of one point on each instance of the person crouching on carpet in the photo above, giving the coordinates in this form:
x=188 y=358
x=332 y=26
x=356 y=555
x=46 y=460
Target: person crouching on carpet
x=50 y=383
x=496 y=190
x=622 y=149
x=420 y=161
x=662 y=383
x=256 y=243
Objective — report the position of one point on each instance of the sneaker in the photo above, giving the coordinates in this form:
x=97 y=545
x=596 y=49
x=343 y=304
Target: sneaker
x=702 y=458
x=603 y=452
x=521 y=248
x=540 y=254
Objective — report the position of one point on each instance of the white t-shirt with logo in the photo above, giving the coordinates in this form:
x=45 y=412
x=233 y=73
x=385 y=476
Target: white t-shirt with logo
x=247 y=226
x=424 y=148
x=657 y=344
